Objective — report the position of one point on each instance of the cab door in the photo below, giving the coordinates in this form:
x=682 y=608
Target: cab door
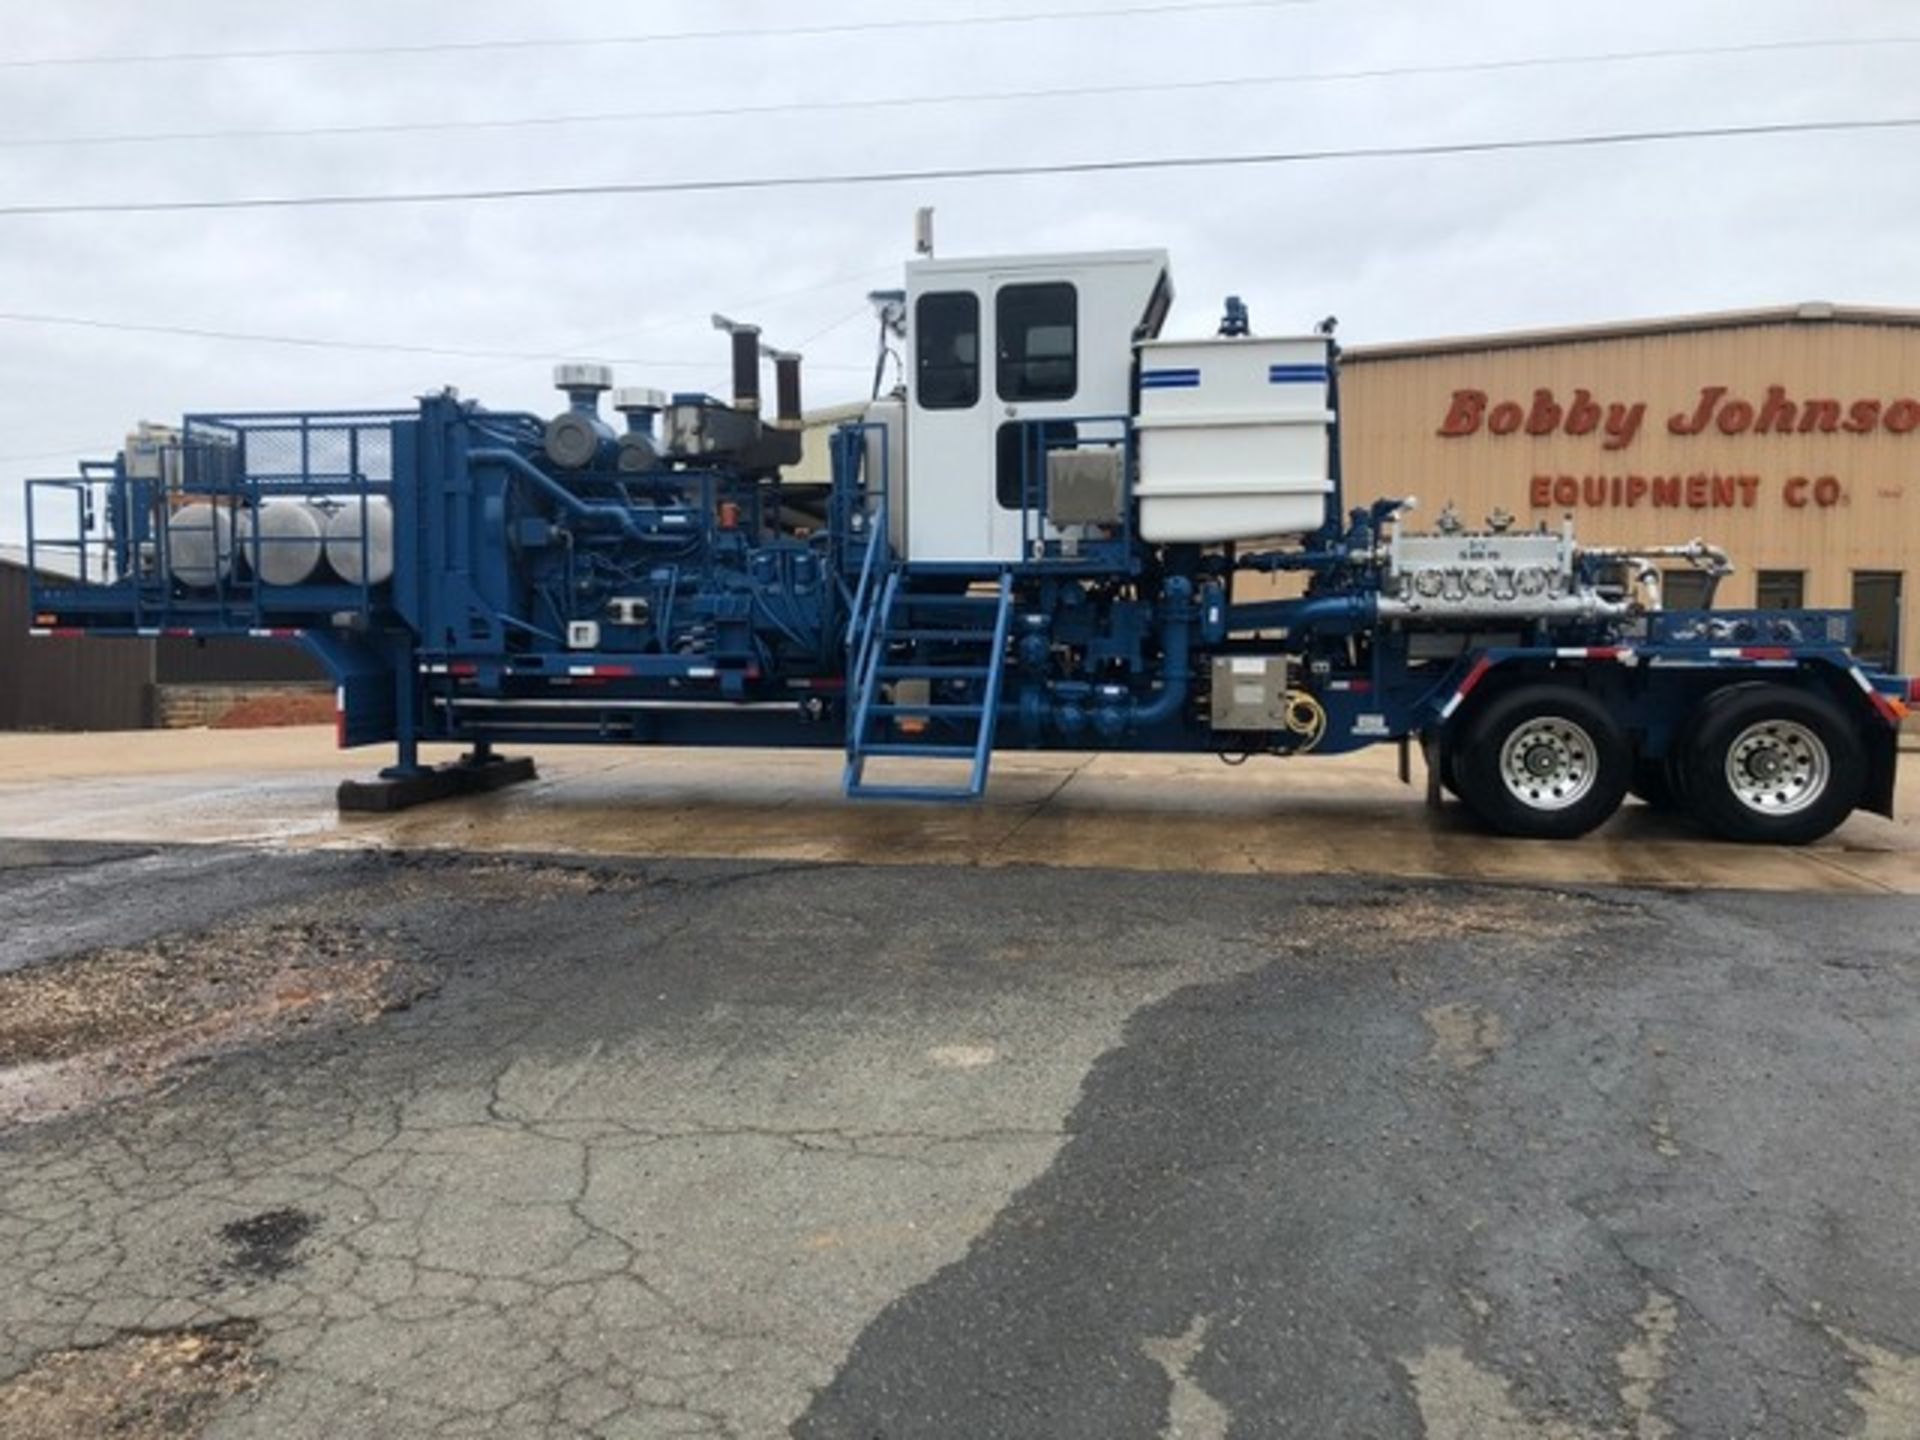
x=1035 y=327
x=950 y=428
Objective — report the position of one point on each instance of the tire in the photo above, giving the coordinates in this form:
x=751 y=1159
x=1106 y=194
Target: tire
x=1545 y=762
x=1773 y=765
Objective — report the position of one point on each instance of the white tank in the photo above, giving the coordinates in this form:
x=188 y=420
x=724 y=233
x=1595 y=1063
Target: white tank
x=291 y=540
x=200 y=545
x=345 y=550
x=1233 y=438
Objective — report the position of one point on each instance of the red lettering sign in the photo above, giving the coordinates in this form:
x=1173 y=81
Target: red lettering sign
x=1715 y=410
x=1701 y=490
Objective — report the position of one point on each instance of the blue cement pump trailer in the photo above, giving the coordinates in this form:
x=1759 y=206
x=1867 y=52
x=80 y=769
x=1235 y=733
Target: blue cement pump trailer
x=1033 y=541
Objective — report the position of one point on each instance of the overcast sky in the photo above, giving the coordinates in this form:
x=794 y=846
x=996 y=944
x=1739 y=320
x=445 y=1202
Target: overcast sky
x=1397 y=248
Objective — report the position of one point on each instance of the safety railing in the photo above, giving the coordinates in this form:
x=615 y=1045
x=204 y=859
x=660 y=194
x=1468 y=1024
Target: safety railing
x=229 y=522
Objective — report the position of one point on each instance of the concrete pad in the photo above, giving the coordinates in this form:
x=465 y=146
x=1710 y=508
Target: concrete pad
x=1337 y=815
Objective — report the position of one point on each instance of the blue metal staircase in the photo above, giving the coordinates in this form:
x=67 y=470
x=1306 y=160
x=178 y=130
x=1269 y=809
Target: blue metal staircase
x=902 y=640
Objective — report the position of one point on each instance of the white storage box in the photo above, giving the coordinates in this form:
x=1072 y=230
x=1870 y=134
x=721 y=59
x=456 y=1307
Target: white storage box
x=1233 y=439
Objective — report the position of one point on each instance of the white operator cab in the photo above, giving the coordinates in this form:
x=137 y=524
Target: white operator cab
x=996 y=343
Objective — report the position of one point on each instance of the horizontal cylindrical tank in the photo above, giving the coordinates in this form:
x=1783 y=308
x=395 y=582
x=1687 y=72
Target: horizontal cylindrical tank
x=357 y=558
x=199 y=549
x=282 y=542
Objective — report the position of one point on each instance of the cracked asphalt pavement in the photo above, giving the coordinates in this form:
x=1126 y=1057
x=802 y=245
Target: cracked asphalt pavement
x=660 y=1147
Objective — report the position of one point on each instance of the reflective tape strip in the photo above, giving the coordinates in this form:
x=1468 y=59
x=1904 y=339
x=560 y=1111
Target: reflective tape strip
x=1893 y=714
x=1480 y=668
x=1596 y=652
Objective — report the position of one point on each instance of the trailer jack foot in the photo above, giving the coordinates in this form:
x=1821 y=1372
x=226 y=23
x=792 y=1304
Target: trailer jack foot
x=470 y=775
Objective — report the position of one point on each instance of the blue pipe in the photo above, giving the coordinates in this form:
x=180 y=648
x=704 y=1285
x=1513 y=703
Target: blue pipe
x=619 y=516
x=1338 y=614
x=1111 y=709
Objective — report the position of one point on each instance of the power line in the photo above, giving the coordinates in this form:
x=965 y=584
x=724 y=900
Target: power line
x=1067 y=92
x=964 y=172
x=312 y=342
x=671 y=37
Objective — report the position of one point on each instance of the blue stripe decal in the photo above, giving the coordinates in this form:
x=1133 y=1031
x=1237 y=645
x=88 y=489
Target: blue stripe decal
x=1169 y=379
x=1297 y=375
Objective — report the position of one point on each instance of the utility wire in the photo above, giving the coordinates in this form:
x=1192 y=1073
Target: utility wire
x=902 y=102
x=312 y=342
x=671 y=37
x=963 y=172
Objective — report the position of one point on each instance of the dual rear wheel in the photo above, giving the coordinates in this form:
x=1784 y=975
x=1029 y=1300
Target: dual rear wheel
x=1758 y=763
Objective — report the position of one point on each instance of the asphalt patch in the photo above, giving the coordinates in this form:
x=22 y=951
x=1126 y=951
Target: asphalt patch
x=263 y=1245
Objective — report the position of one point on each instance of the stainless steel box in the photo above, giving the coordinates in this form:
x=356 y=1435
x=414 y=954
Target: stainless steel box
x=1250 y=691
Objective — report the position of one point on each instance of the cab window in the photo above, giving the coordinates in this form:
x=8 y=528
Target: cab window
x=1038 y=328
x=946 y=339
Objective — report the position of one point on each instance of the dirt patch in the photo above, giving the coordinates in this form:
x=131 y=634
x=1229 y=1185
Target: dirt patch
x=1526 y=919
x=116 y=1022
x=166 y=1386
x=266 y=712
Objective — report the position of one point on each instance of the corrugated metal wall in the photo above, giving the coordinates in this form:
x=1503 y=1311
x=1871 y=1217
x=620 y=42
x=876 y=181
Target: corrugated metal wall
x=107 y=684
x=218 y=662
x=67 y=684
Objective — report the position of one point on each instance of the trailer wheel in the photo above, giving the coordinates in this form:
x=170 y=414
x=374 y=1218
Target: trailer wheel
x=1773 y=764
x=1543 y=761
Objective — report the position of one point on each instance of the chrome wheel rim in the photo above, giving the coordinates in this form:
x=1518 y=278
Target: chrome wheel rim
x=1778 y=767
x=1549 y=763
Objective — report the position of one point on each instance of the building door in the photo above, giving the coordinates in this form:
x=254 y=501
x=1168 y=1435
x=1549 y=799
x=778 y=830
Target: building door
x=1876 y=617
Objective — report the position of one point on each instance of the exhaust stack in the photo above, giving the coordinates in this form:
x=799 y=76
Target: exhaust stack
x=746 y=363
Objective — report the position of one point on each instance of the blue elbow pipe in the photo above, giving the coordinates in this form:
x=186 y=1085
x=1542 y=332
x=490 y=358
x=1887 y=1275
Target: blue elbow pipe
x=617 y=516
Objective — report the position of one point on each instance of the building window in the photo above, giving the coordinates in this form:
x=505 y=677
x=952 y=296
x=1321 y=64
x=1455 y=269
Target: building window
x=1038 y=329
x=1780 y=590
x=1876 y=617
x=1687 y=589
x=946 y=341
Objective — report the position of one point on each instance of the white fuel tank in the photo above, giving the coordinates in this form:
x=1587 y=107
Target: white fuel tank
x=199 y=549
x=357 y=562
x=291 y=540
x=1233 y=438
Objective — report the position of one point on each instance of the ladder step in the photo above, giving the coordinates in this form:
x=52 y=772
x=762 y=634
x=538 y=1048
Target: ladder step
x=920 y=752
x=863 y=791
x=900 y=708
x=983 y=637
x=933 y=672
x=991 y=602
